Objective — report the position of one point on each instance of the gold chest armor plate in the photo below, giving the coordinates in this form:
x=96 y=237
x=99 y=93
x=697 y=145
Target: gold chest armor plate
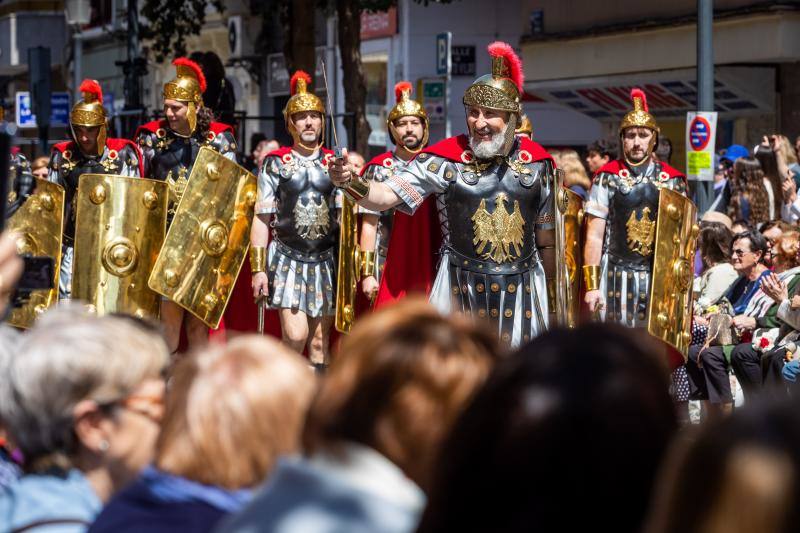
x=641 y=233
x=498 y=235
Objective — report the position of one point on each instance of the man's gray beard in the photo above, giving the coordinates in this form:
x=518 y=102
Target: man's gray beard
x=491 y=148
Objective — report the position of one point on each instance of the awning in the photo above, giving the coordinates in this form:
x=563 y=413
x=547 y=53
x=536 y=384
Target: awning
x=738 y=91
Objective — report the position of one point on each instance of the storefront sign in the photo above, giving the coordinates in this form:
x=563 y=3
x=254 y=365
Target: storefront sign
x=379 y=24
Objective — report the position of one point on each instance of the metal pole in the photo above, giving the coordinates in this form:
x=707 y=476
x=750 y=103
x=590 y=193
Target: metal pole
x=76 y=66
x=704 y=194
x=133 y=98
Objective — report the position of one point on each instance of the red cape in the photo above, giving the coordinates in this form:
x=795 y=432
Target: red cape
x=154 y=125
x=378 y=161
x=112 y=144
x=411 y=262
x=457 y=149
x=613 y=167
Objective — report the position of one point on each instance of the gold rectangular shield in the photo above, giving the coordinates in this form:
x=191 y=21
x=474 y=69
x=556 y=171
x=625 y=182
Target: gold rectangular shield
x=348 y=271
x=569 y=218
x=39 y=223
x=670 y=306
x=119 y=227
x=208 y=239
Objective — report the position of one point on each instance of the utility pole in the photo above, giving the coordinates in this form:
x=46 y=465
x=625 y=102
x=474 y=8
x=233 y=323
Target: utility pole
x=704 y=193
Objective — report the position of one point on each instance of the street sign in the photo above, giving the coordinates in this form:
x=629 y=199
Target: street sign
x=59 y=110
x=701 y=129
x=433 y=99
x=278 y=77
x=443 y=60
x=463 y=58
x=699 y=133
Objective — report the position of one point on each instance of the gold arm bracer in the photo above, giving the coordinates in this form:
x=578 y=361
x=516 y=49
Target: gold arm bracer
x=357 y=188
x=258 y=259
x=367 y=263
x=591 y=277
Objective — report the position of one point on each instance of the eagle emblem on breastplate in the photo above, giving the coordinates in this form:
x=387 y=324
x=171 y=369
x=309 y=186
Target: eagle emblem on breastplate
x=312 y=220
x=499 y=235
x=176 y=187
x=641 y=233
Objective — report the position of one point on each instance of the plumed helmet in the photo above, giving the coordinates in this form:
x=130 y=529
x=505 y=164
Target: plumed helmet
x=640 y=115
x=187 y=86
x=406 y=107
x=502 y=89
x=89 y=111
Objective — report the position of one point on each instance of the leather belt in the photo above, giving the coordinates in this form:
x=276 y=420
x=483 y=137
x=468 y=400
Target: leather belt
x=316 y=257
x=486 y=267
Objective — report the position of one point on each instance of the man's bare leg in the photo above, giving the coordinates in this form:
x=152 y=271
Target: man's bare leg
x=172 y=318
x=196 y=331
x=319 y=340
x=294 y=329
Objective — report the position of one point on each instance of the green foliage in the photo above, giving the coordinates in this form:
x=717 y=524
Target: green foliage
x=172 y=21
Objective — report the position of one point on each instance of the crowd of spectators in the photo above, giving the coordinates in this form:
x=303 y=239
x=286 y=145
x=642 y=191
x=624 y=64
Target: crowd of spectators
x=424 y=422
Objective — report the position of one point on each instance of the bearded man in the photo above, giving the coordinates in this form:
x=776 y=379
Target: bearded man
x=296 y=227
x=408 y=129
x=621 y=221
x=493 y=193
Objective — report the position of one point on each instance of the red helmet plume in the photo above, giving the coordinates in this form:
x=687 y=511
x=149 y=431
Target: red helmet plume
x=198 y=72
x=504 y=50
x=298 y=75
x=93 y=88
x=401 y=87
x=638 y=93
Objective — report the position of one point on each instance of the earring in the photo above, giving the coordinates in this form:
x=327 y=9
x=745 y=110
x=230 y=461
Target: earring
x=104 y=445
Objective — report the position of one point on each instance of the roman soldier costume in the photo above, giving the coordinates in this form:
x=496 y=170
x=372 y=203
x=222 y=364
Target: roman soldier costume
x=381 y=167
x=626 y=196
x=299 y=193
x=489 y=211
x=68 y=163
x=168 y=155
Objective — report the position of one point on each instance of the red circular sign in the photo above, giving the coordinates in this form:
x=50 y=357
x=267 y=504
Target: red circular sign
x=699 y=133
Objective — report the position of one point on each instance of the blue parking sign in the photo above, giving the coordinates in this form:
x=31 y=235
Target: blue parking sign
x=59 y=110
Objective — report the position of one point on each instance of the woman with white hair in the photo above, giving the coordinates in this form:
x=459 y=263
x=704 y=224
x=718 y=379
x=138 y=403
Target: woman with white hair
x=81 y=399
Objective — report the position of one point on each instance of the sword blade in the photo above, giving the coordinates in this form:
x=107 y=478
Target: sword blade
x=330 y=110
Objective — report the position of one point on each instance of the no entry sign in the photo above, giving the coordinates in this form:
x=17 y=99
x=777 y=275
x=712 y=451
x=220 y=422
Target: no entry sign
x=701 y=130
x=699 y=133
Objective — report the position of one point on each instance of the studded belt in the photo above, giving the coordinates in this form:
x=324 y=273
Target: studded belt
x=487 y=267
x=316 y=257
x=627 y=264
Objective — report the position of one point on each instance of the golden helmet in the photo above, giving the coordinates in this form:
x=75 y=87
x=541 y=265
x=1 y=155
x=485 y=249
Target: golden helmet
x=525 y=127
x=502 y=89
x=406 y=107
x=188 y=86
x=89 y=112
x=640 y=115
x=301 y=100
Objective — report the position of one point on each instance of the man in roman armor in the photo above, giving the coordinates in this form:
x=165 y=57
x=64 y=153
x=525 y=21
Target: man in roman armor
x=20 y=179
x=622 y=211
x=170 y=147
x=408 y=129
x=493 y=192
x=294 y=233
x=90 y=152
